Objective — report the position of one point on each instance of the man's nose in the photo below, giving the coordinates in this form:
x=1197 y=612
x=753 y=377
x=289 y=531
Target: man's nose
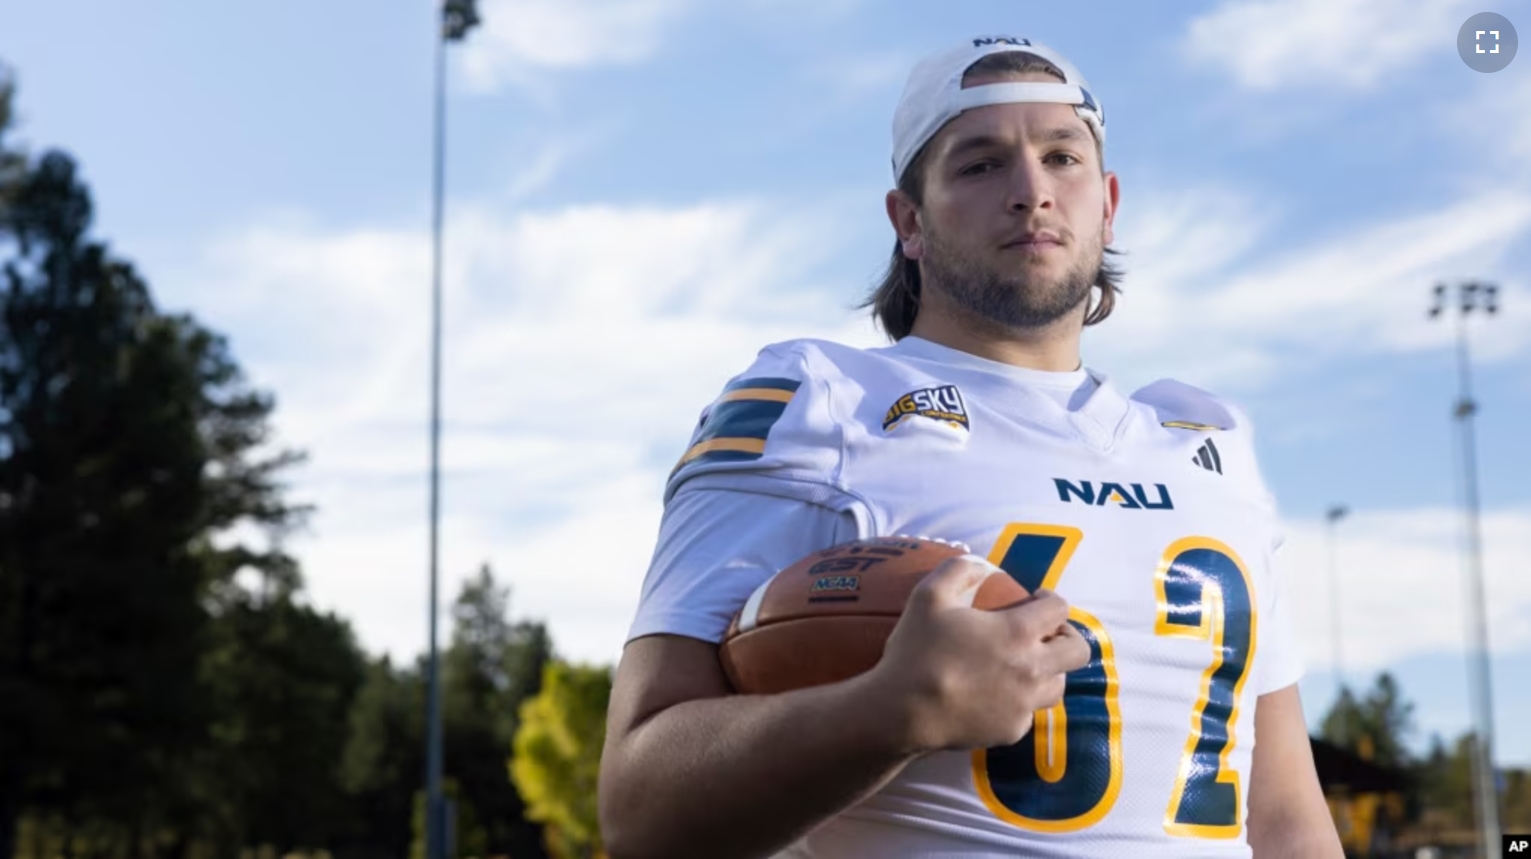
x=1030 y=186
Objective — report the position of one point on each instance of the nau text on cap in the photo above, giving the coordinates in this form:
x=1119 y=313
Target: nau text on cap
x=1000 y=40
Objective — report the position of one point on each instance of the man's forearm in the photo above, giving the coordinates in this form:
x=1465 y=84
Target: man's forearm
x=1295 y=837
x=747 y=775
x=1288 y=816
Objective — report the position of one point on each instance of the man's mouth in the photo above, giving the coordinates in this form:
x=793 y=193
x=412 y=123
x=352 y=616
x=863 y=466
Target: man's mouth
x=1039 y=240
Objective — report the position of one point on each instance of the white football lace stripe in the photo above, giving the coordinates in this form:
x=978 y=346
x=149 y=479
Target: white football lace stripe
x=751 y=612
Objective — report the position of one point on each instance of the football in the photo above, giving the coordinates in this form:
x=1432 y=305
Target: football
x=826 y=617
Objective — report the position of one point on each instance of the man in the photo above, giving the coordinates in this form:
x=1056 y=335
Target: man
x=1121 y=723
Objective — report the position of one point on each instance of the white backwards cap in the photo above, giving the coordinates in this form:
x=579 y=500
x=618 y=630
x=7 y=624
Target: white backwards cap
x=934 y=94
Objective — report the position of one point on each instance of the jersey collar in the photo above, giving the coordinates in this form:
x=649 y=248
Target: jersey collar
x=1098 y=420
x=932 y=351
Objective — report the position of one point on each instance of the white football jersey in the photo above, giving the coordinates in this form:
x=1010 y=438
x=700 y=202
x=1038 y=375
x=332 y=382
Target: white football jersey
x=1147 y=513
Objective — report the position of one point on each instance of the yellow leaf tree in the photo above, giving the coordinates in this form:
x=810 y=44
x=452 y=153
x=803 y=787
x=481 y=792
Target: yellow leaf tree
x=557 y=756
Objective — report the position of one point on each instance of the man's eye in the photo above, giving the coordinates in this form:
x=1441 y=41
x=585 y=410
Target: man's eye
x=976 y=168
x=1064 y=158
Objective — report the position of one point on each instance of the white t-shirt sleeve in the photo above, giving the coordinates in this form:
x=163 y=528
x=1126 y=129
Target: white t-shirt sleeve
x=1280 y=650
x=716 y=546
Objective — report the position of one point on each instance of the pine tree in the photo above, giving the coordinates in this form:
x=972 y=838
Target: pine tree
x=13 y=162
x=491 y=667
x=128 y=441
x=384 y=761
x=1380 y=723
x=284 y=678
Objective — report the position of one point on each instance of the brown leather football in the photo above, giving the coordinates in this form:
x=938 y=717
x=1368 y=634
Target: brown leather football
x=827 y=617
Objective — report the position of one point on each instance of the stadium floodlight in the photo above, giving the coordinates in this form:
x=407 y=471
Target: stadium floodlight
x=1332 y=518
x=457 y=18
x=1471 y=296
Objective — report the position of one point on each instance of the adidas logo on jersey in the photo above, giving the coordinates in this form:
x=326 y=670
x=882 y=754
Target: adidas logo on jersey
x=1131 y=496
x=942 y=404
x=1207 y=457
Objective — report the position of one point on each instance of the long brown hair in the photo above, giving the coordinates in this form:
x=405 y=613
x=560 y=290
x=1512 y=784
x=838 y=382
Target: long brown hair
x=896 y=300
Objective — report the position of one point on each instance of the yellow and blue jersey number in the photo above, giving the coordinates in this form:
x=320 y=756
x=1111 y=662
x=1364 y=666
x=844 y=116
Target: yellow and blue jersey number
x=735 y=428
x=1067 y=773
x=1204 y=592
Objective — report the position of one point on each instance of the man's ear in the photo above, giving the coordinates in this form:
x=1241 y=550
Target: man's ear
x=1113 y=197
x=904 y=215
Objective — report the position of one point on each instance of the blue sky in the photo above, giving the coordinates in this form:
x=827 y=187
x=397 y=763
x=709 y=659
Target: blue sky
x=643 y=192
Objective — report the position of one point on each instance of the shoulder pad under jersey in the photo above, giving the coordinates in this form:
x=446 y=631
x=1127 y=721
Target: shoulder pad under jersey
x=1182 y=406
x=1229 y=446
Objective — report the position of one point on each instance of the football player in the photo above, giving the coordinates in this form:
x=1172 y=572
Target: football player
x=1143 y=704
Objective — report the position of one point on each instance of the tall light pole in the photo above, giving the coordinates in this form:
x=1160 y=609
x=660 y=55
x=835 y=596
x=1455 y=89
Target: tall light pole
x=1474 y=296
x=1331 y=518
x=457 y=18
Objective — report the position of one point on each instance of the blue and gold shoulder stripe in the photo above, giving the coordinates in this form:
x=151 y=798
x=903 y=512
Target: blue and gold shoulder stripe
x=736 y=426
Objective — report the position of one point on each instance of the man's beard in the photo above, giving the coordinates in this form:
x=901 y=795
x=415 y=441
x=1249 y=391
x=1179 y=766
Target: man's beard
x=1020 y=299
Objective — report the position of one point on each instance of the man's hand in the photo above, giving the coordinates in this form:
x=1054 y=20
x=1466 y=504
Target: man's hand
x=690 y=770
x=965 y=678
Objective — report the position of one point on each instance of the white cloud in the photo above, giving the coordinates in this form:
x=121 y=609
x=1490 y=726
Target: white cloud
x=847 y=78
x=798 y=9
x=1402 y=587
x=582 y=341
x=522 y=35
x=581 y=344
x=1345 y=44
x=540 y=171
x=1490 y=123
x=1194 y=287
x=1505 y=116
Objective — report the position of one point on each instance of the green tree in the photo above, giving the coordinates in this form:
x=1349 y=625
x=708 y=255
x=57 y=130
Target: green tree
x=468 y=838
x=558 y=754
x=284 y=677
x=1517 y=800
x=128 y=442
x=492 y=666
x=1378 y=726
x=13 y=162
x=384 y=761
x=1444 y=776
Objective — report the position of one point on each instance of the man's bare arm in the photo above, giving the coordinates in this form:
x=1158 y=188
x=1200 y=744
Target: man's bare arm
x=1288 y=818
x=690 y=770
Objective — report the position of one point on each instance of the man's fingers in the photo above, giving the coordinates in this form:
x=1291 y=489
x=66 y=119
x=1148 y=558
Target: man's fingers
x=955 y=582
x=1039 y=617
x=1067 y=650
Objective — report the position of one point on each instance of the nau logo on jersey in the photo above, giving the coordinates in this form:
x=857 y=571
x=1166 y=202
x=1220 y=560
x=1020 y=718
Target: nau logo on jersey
x=1132 y=496
x=943 y=404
